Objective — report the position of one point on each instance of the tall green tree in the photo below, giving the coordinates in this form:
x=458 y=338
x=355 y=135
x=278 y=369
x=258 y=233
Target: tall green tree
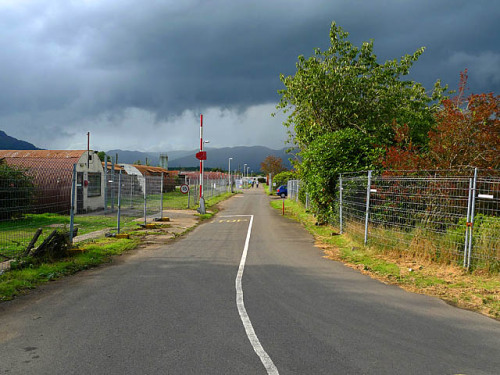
x=342 y=105
x=345 y=87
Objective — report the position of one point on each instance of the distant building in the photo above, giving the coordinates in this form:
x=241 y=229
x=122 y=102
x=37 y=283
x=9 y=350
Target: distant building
x=164 y=161
x=169 y=177
x=190 y=176
x=52 y=172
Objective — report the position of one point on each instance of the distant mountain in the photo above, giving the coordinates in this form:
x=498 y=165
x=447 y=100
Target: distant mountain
x=219 y=158
x=216 y=157
x=10 y=143
x=130 y=157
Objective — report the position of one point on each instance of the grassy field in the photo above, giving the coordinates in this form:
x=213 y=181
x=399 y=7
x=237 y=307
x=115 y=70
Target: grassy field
x=478 y=290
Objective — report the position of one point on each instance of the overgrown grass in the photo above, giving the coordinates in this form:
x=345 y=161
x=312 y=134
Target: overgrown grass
x=478 y=290
x=15 y=282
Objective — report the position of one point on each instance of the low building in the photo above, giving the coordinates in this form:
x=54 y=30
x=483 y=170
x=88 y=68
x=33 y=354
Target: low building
x=169 y=177
x=51 y=172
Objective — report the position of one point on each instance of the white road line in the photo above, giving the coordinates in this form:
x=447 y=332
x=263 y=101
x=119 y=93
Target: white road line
x=254 y=340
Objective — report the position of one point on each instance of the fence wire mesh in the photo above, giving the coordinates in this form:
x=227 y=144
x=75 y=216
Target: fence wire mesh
x=445 y=216
x=26 y=206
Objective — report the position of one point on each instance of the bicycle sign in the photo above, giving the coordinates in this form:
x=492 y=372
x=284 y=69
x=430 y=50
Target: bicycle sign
x=184 y=189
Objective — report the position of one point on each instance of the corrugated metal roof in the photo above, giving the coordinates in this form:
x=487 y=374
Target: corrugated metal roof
x=52 y=172
x=147 y=169
x=42 y=154
x=117 y=168
x=40 y=164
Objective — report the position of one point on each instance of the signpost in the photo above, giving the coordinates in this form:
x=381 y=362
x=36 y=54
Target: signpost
x=202 y=155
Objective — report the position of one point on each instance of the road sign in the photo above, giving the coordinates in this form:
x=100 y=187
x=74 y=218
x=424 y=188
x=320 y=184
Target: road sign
x=202 y=155
x=184 y=189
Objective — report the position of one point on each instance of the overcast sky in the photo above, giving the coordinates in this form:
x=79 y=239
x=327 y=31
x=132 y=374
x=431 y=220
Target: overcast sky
x=137 y=74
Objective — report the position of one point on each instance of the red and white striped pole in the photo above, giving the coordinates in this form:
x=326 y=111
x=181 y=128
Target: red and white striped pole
x=201 y=160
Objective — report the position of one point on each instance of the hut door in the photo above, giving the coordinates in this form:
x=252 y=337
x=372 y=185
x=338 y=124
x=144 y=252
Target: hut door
x=79 y=192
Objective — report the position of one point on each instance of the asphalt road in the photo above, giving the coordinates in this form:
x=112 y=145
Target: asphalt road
x=198 y=306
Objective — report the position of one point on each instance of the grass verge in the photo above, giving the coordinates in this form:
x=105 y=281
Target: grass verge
x=95 y=252
x=15 y=282
x=476 y=291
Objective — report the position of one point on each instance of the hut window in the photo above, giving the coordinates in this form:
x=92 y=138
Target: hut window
x=94 y=188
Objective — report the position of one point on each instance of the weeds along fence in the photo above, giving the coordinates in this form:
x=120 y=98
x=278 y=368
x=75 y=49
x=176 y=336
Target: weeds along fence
x=445 y=216
x=126 y=201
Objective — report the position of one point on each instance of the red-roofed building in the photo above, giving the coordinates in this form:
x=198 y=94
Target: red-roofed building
x=51 y=172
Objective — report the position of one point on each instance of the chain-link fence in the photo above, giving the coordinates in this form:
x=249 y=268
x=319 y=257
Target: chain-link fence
x=445 y=216
x=130 y=200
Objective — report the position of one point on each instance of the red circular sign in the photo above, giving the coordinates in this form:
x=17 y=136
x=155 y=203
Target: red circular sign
x=184 y=189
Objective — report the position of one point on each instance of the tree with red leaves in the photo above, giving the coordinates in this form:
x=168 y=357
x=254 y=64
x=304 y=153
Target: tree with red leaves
x=272 y=164
x=466 y=135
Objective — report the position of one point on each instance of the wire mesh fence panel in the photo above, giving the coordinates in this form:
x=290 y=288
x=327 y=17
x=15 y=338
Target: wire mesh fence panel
x=30 y=199
x=448 y=216
x=427 y=214
x=353 y=205
x=486 y=227
x=419 y=214
x=293 y=187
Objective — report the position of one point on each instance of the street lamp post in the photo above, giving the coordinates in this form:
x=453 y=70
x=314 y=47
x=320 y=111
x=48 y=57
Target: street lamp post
x=244 y=170
x=229 y=172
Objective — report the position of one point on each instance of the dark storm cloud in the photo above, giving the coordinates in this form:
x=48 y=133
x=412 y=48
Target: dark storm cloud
x=67 y=62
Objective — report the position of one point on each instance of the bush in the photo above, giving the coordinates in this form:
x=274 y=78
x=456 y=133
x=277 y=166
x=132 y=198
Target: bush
x=16 y=191
x=328 y=156
x=283 y=177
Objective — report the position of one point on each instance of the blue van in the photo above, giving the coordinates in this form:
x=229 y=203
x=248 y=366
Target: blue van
x=282 y=191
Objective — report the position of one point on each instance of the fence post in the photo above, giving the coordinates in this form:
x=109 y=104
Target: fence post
x=469 y=204
x=188 y=182
x=118 y=216
x=131 y=179
x=112 y=180
x=145 y=201
x=367 y=205
x=161 y=196
x=472 y=212
x=105 y=183
x=72 y=208
x=340 y=202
